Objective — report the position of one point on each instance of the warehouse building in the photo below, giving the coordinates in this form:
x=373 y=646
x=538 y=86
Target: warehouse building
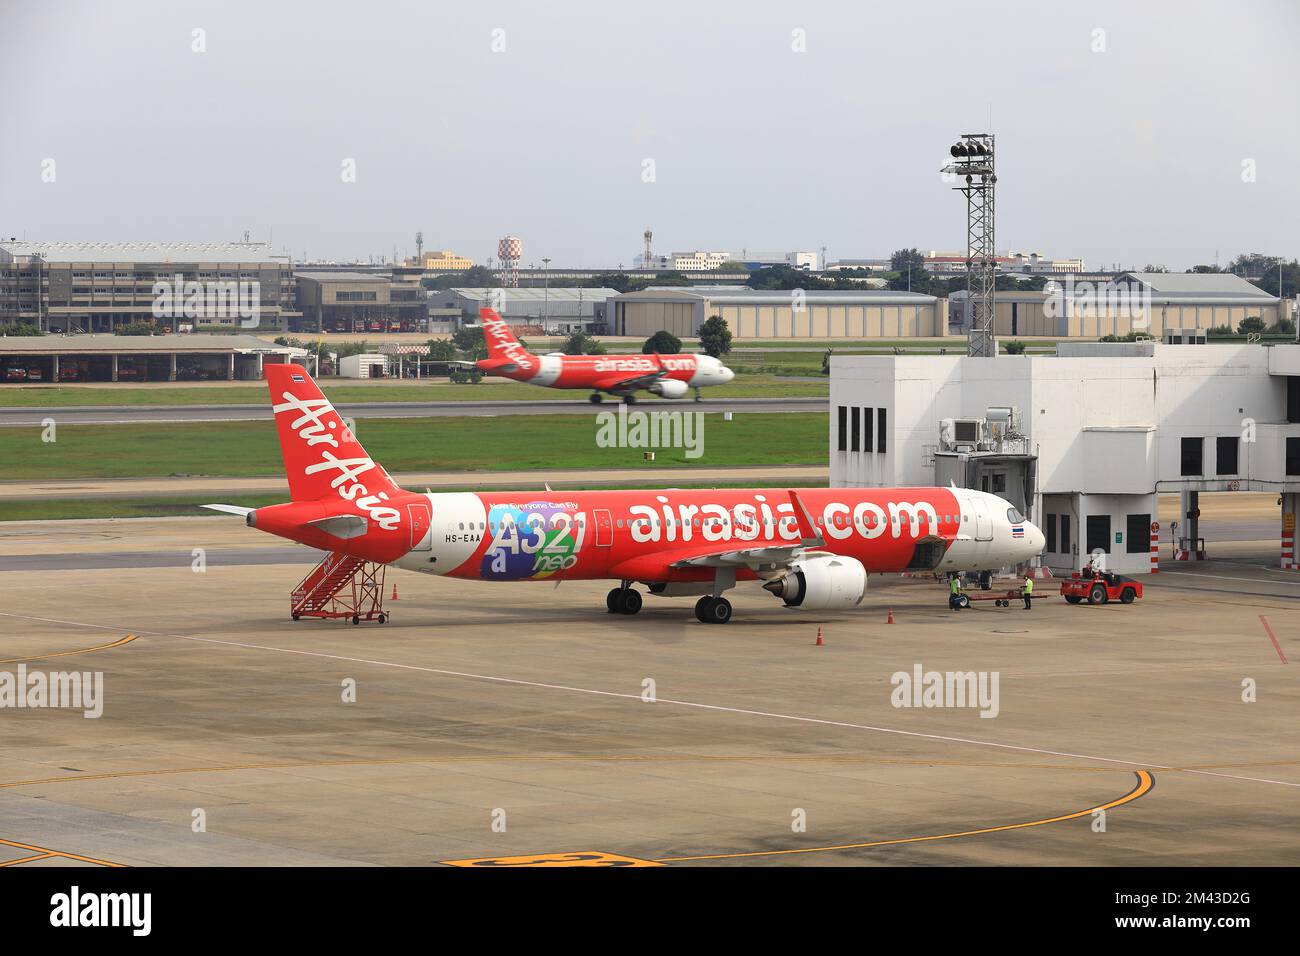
x=539 y=311
x=138 y=358
x=752 y=314
x=1151 y=303
x=173 y=286
x=1081 y=442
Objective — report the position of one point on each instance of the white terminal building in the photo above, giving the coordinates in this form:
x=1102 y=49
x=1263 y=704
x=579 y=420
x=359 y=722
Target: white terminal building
x=1082 y=441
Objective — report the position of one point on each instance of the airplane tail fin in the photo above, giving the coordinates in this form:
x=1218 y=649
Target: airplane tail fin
x=322 y=457
x=502 y=346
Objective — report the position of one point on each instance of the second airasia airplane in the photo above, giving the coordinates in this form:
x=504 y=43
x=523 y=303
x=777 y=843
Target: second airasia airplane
x=813 y=547
x=668 y=376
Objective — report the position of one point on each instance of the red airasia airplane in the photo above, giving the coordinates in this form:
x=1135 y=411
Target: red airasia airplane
x=668 y=376
x=813 y=547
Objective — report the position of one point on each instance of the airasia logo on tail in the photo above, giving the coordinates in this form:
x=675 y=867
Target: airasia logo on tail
x=504 y=342
x=311 y=427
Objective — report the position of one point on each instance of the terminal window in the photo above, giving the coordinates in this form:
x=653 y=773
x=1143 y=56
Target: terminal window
x=1065 y=535
x=856 y=433
x=1225 y=456
x=1051 y=533
x=1193 y=452
x=1293 y=456
x=868 y=439
x=1138 y=539
x=1098 y=529
x=881 y=419
x=842 y=444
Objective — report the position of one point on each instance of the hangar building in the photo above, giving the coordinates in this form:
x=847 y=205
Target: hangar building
x=753 y=314
x=1150 y=303
x=1082 y=441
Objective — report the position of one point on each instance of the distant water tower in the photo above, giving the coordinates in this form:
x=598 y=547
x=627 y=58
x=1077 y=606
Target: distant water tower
x=510 y=250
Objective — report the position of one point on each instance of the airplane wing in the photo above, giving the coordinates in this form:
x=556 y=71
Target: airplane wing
x=759 y=558
x=810 y=539
x=613 y=383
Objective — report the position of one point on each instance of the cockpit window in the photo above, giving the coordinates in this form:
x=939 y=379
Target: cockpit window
x=1014 y=516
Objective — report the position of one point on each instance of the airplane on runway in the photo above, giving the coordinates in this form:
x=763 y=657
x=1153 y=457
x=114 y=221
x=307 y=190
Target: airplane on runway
x=668 y=376
x=812 y=547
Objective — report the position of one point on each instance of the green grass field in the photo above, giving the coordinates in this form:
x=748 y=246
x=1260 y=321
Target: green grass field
x=506 y=443
x=43 y=396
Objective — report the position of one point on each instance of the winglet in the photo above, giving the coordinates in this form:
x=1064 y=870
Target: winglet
x=808 y=533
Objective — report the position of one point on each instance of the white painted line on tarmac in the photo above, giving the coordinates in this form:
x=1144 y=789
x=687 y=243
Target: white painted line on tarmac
x=517 y=682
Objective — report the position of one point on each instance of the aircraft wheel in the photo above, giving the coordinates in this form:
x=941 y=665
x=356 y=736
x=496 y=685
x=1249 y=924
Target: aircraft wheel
x=719 y=611
x=629 y=399
x=611 y=600
x=596 y=398
x=629 y=601
x=702 y=608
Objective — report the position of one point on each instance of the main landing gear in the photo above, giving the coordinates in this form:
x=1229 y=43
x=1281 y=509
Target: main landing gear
x=596 y=398
x=713 y=610
x=624 y=600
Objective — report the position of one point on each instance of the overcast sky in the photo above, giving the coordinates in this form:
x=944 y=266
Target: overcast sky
x=1132 y=154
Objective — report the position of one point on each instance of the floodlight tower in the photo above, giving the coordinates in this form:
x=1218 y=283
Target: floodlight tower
x=972 y=164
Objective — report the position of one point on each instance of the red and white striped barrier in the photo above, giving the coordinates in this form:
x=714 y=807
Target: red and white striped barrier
x=1155 y=548
x=1288 y=549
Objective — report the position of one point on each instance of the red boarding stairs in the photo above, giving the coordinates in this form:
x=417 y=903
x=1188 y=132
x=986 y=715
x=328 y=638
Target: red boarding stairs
x=341 y=586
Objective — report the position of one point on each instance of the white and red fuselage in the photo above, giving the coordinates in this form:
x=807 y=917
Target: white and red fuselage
x=673 y=540
x=669 y=376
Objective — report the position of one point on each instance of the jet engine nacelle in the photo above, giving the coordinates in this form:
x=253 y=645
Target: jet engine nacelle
x=669 y=388
x=820 y=583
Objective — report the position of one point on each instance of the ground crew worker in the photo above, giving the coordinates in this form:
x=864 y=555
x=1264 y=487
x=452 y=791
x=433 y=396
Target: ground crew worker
x=1028 y=591
x=954 y=592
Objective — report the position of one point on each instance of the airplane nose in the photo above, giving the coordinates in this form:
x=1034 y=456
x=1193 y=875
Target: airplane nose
x=1037 y=540
x=727 y=374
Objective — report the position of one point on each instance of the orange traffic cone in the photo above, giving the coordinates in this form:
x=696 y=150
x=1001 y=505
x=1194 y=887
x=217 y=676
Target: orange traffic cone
x=394 y=597
x=819 y=636
x=890 y=619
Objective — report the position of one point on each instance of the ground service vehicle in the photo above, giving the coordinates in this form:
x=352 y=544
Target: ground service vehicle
x=1098 y=587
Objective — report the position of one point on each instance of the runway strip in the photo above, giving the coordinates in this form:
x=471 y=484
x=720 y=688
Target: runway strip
x=17 y=417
